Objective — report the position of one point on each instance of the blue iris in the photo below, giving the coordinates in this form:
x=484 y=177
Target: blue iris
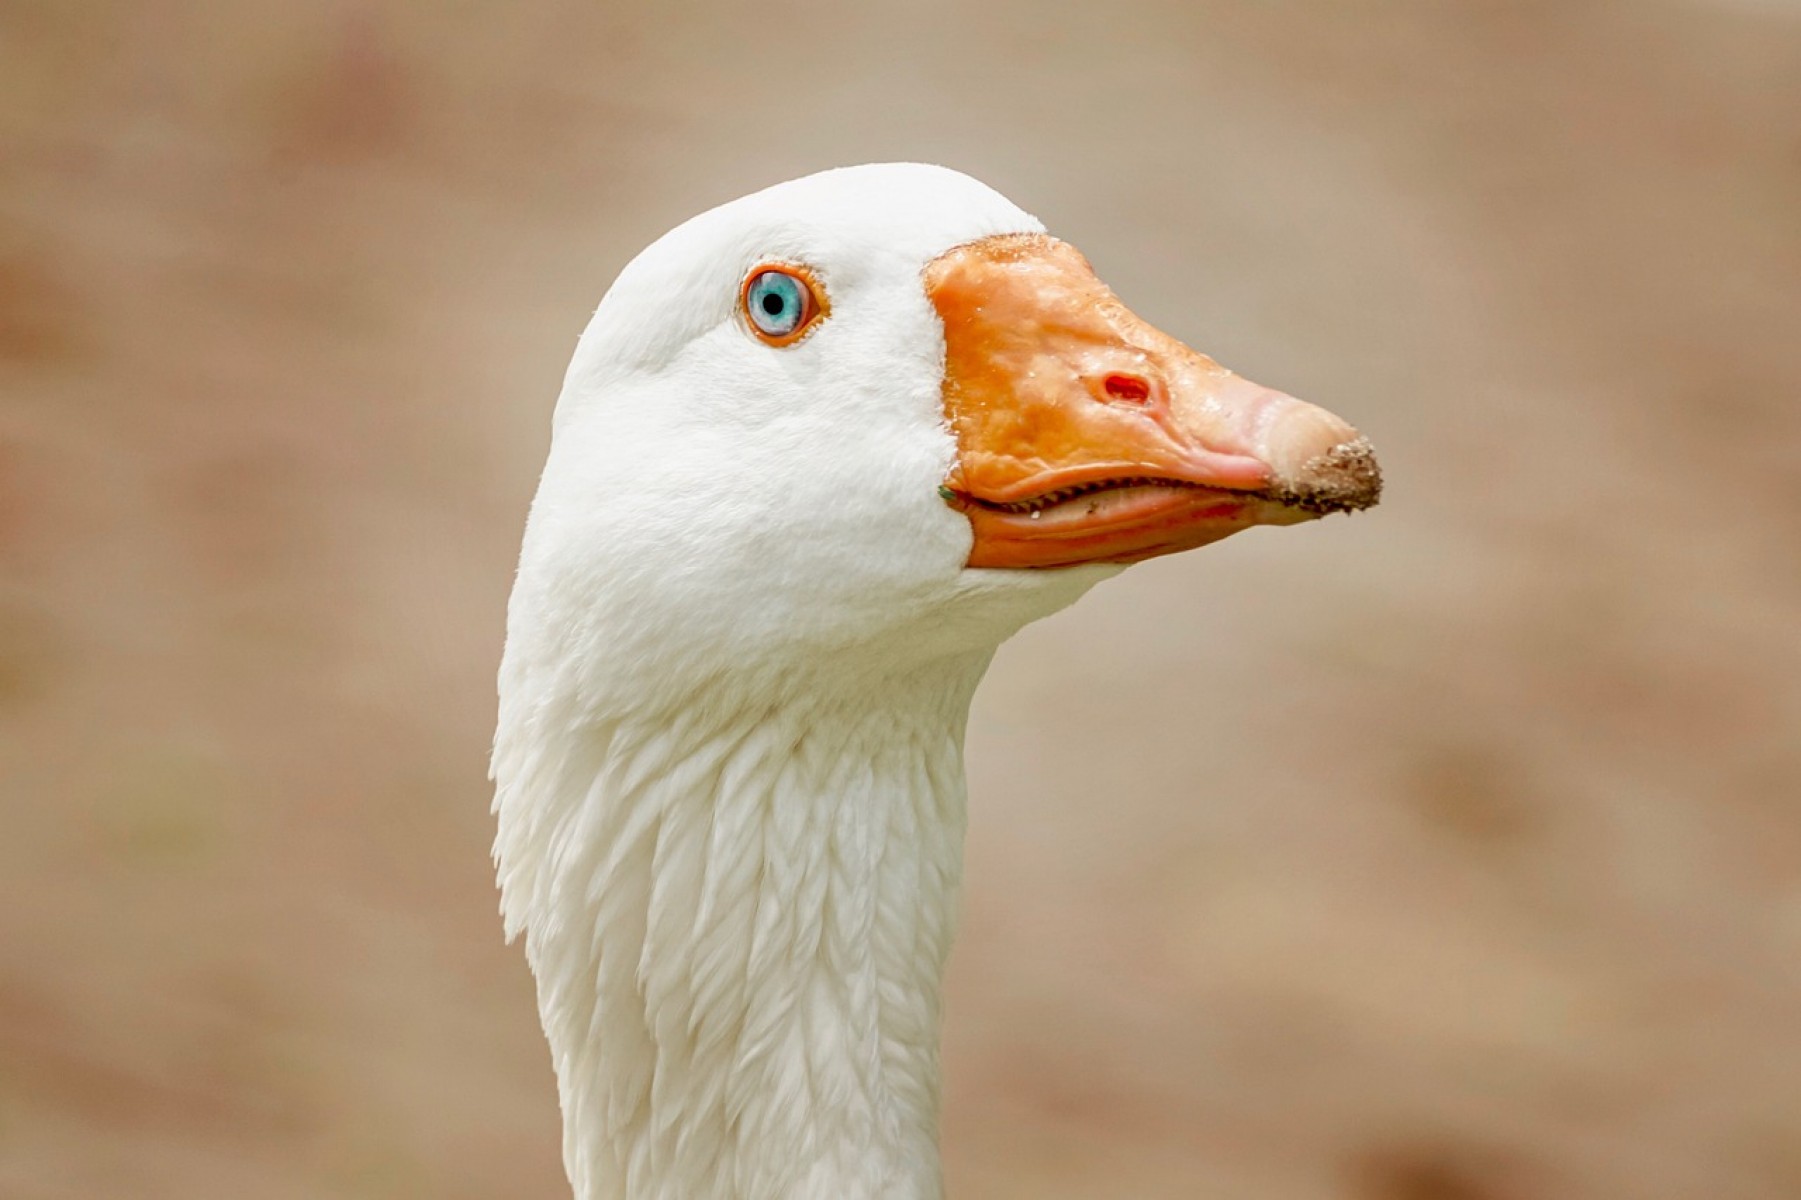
x=777 y=303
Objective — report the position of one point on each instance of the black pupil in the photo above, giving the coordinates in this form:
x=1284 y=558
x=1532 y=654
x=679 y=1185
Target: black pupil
x=773 y=304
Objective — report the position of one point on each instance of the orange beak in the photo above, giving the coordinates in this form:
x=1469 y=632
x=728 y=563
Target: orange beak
x=1085 y=434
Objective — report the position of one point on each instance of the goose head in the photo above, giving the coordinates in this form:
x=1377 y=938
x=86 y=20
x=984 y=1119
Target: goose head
x=819 y=451
x=880 y=409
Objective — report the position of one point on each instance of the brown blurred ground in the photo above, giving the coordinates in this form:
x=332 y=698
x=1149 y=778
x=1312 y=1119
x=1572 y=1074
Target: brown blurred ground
x=1449 y=853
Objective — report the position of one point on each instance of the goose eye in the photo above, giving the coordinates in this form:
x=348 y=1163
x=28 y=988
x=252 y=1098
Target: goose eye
x=780 y=303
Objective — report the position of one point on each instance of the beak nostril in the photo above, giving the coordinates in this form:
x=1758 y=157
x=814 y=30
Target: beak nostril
x=1129 y=389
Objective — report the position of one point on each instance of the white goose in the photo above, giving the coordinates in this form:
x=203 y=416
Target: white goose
x=819 y=452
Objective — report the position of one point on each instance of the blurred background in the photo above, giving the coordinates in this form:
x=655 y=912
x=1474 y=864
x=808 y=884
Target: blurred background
x=1448 y=853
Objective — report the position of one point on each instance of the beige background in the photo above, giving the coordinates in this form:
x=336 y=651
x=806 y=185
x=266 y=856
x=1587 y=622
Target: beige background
x=1451 y=852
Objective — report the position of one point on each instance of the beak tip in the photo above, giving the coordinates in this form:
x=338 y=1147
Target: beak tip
x=1346 y=478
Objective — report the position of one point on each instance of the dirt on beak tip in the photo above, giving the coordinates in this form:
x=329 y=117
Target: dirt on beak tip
x=1346 y=478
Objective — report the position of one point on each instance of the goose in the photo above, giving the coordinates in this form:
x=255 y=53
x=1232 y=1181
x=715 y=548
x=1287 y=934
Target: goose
x=818 y=453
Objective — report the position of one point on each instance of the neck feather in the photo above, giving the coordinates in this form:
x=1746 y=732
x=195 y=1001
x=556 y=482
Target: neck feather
x=738 y=916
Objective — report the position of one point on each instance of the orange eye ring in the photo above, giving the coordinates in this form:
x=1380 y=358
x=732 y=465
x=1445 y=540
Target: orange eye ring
x=782 y=302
